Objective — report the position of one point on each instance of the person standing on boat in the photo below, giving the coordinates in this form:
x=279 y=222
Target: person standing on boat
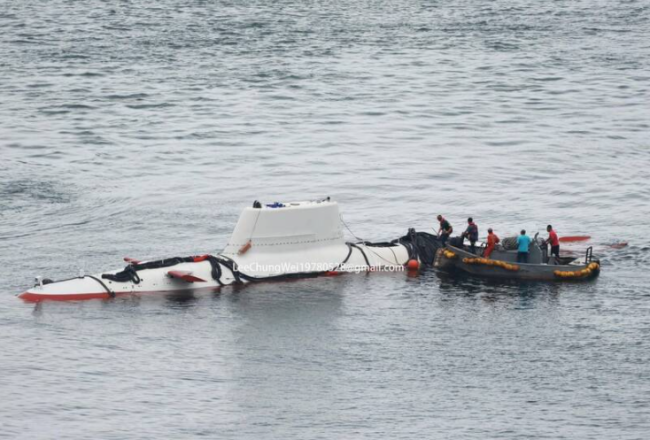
x=445 y=230
x=492 y=241
x=554 y=241
x=523 y=243
x=471 y=233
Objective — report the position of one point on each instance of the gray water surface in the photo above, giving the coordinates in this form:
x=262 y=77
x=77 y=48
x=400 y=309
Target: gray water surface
x=142 y=129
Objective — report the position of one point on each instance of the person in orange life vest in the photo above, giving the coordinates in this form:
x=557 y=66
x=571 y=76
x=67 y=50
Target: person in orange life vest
x=554 y=241
x=492 y=241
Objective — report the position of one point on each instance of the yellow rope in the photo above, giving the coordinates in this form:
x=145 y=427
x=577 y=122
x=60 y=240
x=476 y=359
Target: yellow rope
x=488 y=262
x=577 y=273
x=449 y=254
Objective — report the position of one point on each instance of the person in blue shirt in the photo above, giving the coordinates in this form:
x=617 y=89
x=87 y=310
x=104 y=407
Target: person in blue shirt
x=523 y=243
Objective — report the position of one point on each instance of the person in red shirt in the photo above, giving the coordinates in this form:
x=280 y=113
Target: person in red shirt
x=554 y=241
x=492 y=241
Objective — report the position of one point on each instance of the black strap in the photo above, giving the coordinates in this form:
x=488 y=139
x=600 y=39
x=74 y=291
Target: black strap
x=109 y=291
x=365 y=257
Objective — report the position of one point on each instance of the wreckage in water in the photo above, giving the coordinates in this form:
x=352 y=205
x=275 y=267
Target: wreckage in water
x=298 y=240
x=269 y=243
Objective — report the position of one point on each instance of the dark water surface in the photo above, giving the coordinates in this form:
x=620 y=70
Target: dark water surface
x=143 y=128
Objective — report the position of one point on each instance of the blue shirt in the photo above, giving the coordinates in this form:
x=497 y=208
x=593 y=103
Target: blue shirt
x=523 y=241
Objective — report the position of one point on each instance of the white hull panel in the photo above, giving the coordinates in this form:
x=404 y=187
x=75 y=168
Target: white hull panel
x=297 y=240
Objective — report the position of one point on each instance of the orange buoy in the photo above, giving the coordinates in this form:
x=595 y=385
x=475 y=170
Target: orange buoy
x=413 y=265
